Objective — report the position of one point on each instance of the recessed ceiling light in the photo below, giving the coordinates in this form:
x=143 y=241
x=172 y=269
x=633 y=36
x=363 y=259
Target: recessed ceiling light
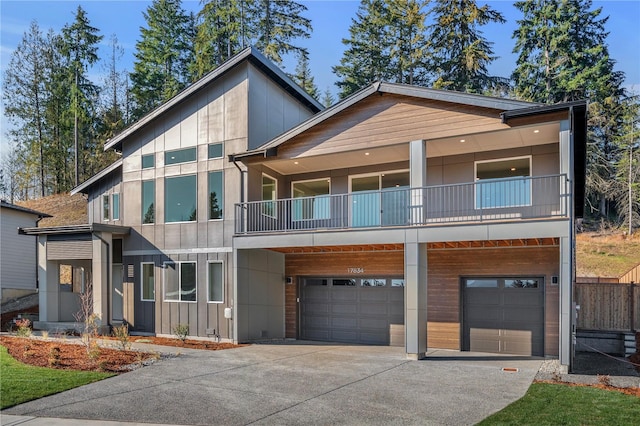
x=295 y=162
x=366 y=153
x=513 y=169
x=463 y=140
x=536 y=131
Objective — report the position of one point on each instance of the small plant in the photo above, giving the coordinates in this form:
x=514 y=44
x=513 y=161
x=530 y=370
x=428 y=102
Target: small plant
x=54 y=356
x=24 y=327
x=94 y=351
x=181 y=331
x=45 y=334
x=27 y=351
x=604 y=380
x=90 y=320
x=122 y=334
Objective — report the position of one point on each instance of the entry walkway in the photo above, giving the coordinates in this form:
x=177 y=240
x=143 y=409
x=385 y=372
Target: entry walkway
x=295 y=384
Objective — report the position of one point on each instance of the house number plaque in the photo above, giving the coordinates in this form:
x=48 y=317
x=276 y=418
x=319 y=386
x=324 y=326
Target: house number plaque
x=355 y=270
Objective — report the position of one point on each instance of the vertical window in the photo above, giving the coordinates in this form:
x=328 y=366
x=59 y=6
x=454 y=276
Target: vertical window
x=216 y=195
x=148 y=281
x=503 y=183
x=215 y=150
x=148 y=161
x=105 y=207
x=180 y=156
x=215 y=282
x=312 y=200
x=269 y=194
x=148 y=201
x=180 y=281
x=180 y=203
x=116 y=206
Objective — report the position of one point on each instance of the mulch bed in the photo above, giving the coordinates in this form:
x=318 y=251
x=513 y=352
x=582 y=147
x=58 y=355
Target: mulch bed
x=604 y=386
x=175 y=342
x=70 y=356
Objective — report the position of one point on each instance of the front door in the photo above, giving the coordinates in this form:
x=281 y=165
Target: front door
x=117 y=295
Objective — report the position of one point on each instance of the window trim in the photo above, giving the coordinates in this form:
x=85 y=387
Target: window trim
x=153 y=202
x=221 y=262
x=142 y=299
x=166 y=198
x=106 y=208
x=195 y=148
x=495 y=160
x=215 y=143
x=115 y=213
x=164 y=281
x=209 y=194
x=500 y=281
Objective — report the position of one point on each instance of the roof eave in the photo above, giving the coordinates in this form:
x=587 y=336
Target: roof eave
x=75 y=229
x=95 y=178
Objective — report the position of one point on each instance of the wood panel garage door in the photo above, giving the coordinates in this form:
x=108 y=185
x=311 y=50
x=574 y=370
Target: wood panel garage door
x=504 y=315
x=361 y=310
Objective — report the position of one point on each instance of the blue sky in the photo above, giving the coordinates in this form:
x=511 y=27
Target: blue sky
x=330 y=20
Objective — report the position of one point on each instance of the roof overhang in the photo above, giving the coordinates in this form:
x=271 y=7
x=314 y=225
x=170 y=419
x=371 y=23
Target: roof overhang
x=76 y=229
x=21 y=209
x=250 y=54
x=95 y=178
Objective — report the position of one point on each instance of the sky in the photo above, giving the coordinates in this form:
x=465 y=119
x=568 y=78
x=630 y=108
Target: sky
x=330 y=20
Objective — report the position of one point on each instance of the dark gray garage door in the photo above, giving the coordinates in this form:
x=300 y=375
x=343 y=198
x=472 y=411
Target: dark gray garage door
x=504 y=315
x=352 y=310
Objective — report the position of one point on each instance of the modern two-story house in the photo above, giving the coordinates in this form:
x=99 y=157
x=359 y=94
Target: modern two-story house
x=400 y=216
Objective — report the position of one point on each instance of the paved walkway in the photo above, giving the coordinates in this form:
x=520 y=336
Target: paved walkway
x=294 y=384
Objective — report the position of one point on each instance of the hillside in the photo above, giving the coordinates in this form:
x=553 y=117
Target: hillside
x=66 y=209
x=606 y=255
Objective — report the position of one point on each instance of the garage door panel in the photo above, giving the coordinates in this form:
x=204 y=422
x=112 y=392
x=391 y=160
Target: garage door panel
x=477 y=314
x=522 y=297
x=522 y=314
x=350 y=313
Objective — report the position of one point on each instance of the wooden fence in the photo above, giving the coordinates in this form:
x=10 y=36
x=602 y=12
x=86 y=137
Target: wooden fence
x=608 y=306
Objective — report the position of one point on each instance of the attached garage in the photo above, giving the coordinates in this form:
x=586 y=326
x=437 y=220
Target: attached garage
x=504 y=315
x=352 y=310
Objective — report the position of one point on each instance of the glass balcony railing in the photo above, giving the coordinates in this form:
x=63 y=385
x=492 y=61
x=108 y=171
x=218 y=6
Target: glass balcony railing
x=487 y=200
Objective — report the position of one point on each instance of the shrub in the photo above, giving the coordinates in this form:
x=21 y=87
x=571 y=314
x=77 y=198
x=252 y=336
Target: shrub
x=24 y=327
x=181 y=331
x=54 y=356
x=122 y=334
x=45 y=334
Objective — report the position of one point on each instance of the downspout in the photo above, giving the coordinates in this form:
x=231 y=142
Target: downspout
x=37 y=263
x=108 y=276
x=231 y=328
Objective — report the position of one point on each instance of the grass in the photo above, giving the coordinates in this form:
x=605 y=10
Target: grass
x=606 y=255
x=551 y=404
x=21 y=383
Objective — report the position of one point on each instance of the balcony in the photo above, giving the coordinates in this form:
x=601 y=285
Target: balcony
x=520 y=198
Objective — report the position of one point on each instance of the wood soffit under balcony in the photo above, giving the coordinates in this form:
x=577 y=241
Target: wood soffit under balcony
x=449 y=245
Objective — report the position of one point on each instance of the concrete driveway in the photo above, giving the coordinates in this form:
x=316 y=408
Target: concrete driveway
x=300 y=384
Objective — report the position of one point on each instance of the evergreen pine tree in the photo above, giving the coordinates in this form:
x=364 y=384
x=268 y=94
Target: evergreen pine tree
x=303 y=75
x=327 y=98
x=408 y=50
x=164 y=56
x=460 y=53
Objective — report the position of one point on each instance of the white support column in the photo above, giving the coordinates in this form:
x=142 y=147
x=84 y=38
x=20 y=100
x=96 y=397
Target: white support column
x=567 y=251
x=415 y=296
x=417 y=179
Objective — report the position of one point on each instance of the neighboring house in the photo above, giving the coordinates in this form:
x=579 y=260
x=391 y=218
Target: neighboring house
x=17 y=252
x=401 y=215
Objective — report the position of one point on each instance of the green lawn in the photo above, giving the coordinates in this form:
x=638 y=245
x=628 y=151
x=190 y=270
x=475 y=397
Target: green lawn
x=551 y=404
x=21 y=383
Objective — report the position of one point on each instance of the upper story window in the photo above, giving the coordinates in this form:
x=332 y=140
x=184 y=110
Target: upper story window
x=269 y=193
x=180 y=199
x=216 y=195
x=184 y=155
x=215 y=150
x=313 y=201
x=106 y=212
x=148 y=161
x=115 y=214
x=503 y=183
x=148 y=201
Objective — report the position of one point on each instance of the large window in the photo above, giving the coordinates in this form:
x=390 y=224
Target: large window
x=116 y=206
x=184 y=155
x=180 y=199
x=216 y=195
x=380 y=199
x=215 y=150
x=180 y=281
x=105 y=207
x=148 y=201
x=269 y=193
x=215 y=282
x=147 y=284
x=311 y=199
x=503 y=183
